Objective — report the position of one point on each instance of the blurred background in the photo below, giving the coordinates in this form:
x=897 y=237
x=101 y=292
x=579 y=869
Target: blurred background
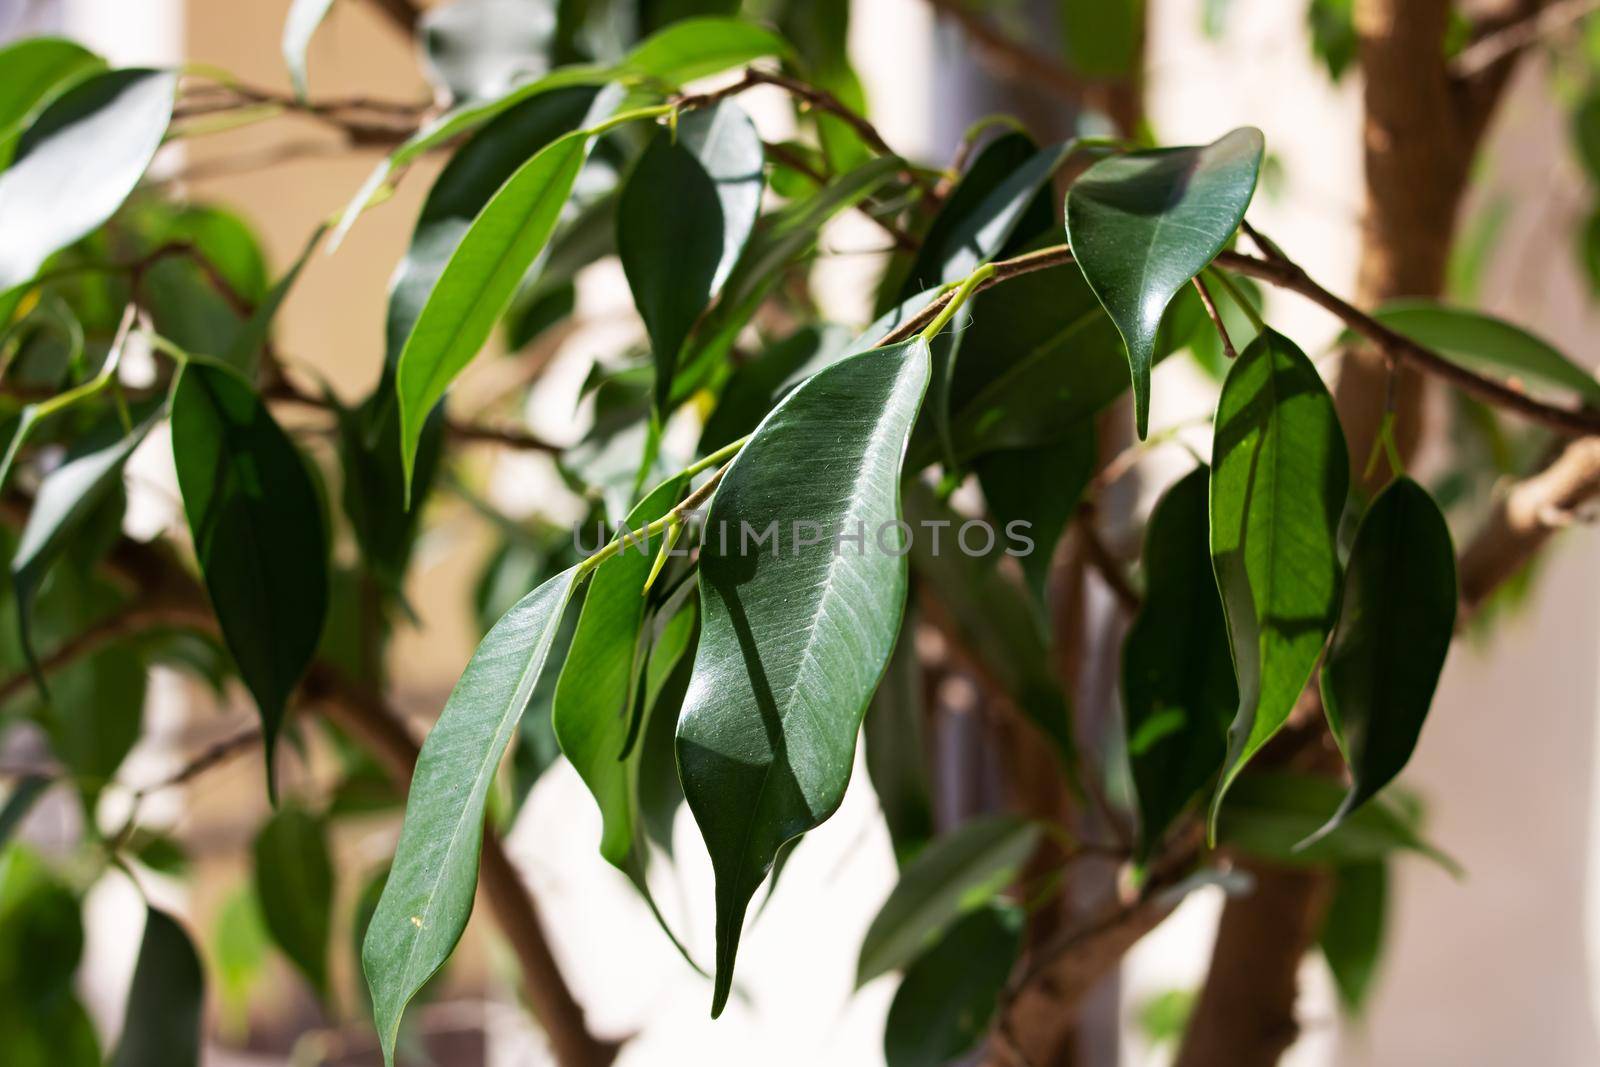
x=1497 y=968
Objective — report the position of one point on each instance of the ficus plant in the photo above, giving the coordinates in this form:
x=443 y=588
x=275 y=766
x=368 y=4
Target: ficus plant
x=779 y=505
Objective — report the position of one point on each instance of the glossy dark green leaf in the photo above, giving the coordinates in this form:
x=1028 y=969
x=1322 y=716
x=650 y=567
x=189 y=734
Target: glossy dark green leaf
x=299 y=26
x=1178 y=692
x=67 y=498
x=793 y=643
x=257 y=524
x=37 y=69
x=1396 y=619
x=294 y=883
x=1036 y=491
x=994 y=615
x=942 y=1009
x=373 y=492
x=161 y=1026
x=479 y=280
x=897 y=757
x=537 y=748
x=666 y=684
x=428 y=897
x=1490 y=345
x=76 y=164
x=754 y=387
x=1351 y=938
x=595 y=698
x=184 y=299
x=683 y=219
x=962 y=870
x=1103 y=38
x=1279 y=479
x=1142 y=225
x=1271 y=814
x=478 y=49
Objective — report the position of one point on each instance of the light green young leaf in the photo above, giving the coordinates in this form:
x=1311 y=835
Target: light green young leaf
x=1142 y=225
x=161 y=1025
x=77 y=163
x=684 y=215
x=1487 y=344
x=1178 y=690
x=294 y=883
x=943 y=1007
x=428 y=896
x=1279 y=480
x=479 y=280
x=793 y=643
x=962 y=870
x=1396 y=620
x=700 y=47
x=37 y=69
x=299 y=26
x=258 y=530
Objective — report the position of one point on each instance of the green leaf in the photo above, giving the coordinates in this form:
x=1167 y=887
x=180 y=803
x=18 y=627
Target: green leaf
x=1040 y=507
x=1271 y=814
x=1352 y=931
x=961 y=871
x=595 y=698
x=428 y=897
x=1396 y=619
x=794 y=643
x=76 y=164
x=257 y=524
x=245 y=352
x=95 y=715
x=67 y=498
x=478 y=49
x=697 y=48
x=477 y=283
x=1178 y=690
x=1333 y=34
x=1142 y=225
x=294 y=883
x=299 y=26
x=942 y=1009
x=754 y=387
x=1279 y=480
x=37 y=69
x=995 y=617
x=666 y=684
x=684 y=216
x=161 y=1026
x=1484 y=343
x=239 y=952
x=897 y=758
x=1103 y=38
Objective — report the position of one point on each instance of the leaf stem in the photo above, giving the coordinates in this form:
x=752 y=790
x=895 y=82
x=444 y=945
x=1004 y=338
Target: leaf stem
x=655 y=111
x=952 y=305
x=1238 y=297
x=674 y=517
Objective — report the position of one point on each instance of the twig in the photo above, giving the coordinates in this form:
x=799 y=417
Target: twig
x=1506 y=40
x=1216 y=318
x=783 y=155
x=213 y=755
x=1104 y=563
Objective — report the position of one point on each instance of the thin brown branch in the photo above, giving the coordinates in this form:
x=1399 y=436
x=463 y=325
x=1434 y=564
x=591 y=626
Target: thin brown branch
x=126 y=622
x=783 y=155
x=1216 y=318
x=1101 y=559
x=208 y=758
x=1506 y=40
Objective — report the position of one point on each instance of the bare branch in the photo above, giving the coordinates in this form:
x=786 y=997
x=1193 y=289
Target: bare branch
x=1505 y=41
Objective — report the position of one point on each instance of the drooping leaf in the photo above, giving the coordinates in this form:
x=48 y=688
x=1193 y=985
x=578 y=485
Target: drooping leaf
x=942 y=1009
x=1279 y=480
x=66 y=499
x=257 y=524
x=595 y=698
x=76 y=164
x=1487 y=344
x=1271 y=814
x=478 y=49
x=428 y=897
x=479 y=279
x=1351 y=938
x=299 y=26
x=1020 y=499
x=1178 y=691
x=684 y=216
x=537 y=748
x=993 y=615
x=1396 y=619
x=294 y=883
x=794 y=643
x=897 y=759
x=37 y=69
x=161 y=1026
x=956 y=873
x=1142 y=225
